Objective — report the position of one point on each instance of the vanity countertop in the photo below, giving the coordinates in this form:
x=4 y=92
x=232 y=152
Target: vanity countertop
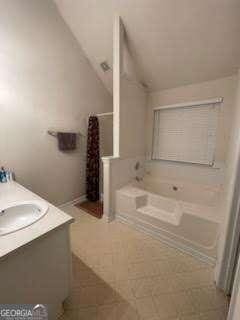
x=54 y=218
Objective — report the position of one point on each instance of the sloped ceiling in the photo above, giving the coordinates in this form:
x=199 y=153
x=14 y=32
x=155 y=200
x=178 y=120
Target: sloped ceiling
x=174 y=42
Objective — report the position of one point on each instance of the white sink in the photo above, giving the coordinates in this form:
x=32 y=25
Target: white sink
x=19 y=215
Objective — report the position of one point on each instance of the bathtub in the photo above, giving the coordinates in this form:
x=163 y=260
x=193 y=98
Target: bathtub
x=183 y=214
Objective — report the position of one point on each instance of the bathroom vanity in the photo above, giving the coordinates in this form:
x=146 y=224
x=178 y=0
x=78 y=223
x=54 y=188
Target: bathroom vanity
x=35 y=255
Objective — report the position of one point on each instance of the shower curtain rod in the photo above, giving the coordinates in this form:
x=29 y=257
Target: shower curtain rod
x=101 y=114
x=104 y=114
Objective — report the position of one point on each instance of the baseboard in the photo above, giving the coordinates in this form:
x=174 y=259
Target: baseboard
x=74 y=201
x=170 y=242
x=107 y=218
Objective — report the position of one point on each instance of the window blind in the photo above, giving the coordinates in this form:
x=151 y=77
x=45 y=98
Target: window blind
x=186 y=134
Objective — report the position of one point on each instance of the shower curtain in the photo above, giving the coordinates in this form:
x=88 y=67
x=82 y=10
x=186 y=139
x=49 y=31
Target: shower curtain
x=93 y=159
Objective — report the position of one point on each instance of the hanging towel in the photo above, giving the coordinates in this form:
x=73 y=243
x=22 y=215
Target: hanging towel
x=66 y=141
x=93 y=159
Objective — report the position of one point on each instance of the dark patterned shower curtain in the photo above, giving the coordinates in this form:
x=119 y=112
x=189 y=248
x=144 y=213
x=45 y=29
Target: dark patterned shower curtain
x=93 y=159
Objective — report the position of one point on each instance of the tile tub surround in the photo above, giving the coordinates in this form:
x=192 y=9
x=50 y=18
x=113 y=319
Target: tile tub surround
x=122 y=274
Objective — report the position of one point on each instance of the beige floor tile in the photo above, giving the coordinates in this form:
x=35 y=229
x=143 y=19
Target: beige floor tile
x=193 y=264
x=169 y=252
x=105 y=294
x=127 y=311
x=218 y=299
x=183 y=303
x=152 y=252
x=190 y=317
x=87 y=297
x=107 y=275
x=176 y=283
x=146 y=308
x=213 y=315
x=120 y=258
x=69 y=315
x=165 y=306
x=186 y=281
x=120 y=273
x=178 y=264
x=141 y=287
x=107 y=312
x=195 y=279
x=205 y=277
x=85 y=277
x=161 y=285
x=87 y=313
x=157 y=318
x=136 y=270
x=90 y=260
x=165 y=268
x=183 y=263
x=151 y=268
x=106 y=261
x=201 y=299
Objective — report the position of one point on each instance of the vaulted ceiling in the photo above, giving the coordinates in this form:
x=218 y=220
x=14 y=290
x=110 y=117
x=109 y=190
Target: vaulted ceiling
x=174 y=42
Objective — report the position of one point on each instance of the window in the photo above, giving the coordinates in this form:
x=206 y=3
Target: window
x=186 y=132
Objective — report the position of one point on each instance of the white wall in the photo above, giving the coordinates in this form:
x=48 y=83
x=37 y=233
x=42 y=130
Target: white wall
x=117 y=173
x=130 y=110
x=133 y=112
x=130 y=99
x=106 y=142
x=132 y=104
x=45 y=82
x=226 y=88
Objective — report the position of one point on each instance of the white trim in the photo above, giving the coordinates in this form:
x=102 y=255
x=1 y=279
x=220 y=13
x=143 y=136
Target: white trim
x=191 y=104
x=232 y=238
x=109 y=159
x=138 y=225
x=234 y=296
x=118 y=35
x=107 y=218
x=72 y=202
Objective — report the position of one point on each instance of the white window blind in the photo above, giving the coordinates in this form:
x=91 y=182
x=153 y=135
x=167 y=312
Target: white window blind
x=186 y=133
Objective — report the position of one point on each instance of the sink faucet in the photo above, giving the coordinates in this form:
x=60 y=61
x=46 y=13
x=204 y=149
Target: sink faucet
x=2 y=212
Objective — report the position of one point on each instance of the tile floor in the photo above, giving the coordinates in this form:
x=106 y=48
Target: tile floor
x=122 y=274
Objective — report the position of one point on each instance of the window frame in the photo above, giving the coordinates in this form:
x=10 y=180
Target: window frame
x=214 y=101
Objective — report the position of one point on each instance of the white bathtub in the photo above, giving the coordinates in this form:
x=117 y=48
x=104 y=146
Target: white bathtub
x=186 y=191
x=182 y=214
